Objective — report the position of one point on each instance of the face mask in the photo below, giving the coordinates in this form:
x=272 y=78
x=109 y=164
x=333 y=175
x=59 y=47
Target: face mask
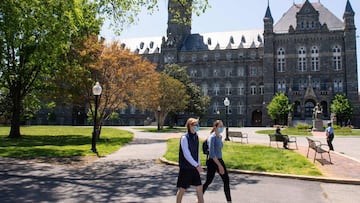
x=220 y=130
x=197 y=128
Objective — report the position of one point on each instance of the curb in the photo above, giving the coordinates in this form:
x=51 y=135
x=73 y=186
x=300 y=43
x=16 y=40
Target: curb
x=279 y=175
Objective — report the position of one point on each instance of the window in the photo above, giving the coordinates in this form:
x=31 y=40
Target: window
x=228 y=89
x=205 y=57
x=217 y=56
x=253 y=71
x=241 y=71
x=315 y=59
x=281 y=60
x=302 y=59
x=229 y=72
x=253 y=89
x=281 y=86
x=337 y=57
x=216 y=108
x=193 y=58
x=316 y=84
x=261 y=89
x=228 y=56
x=338 y=86
x=240 y=108
x=302 y=84
x=132 y=110
x=193 y=73
x=241 y=88
x=216 y=89
x=215 y=72
x=204 y=89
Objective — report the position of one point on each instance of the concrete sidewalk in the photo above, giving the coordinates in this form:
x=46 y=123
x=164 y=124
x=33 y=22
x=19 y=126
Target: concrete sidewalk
x=343 y=168
x=132 y=174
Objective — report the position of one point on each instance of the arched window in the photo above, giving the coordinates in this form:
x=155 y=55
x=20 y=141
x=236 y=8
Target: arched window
x=253 y=89
x=337 y=57
x=261 y=89
x=302 y=59
x=281 y=60
x=315 y=66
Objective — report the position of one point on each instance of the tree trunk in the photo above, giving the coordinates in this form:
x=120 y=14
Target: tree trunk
x=15 y=118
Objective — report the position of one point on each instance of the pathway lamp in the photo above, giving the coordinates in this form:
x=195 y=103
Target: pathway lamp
x=227 y=103
x=96 y=92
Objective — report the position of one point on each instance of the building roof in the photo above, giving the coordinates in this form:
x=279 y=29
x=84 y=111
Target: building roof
x=197 y=42
x=235 y=39
x=325 y=16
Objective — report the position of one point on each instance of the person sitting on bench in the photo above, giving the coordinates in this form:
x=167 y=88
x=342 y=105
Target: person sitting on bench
x=285 y=138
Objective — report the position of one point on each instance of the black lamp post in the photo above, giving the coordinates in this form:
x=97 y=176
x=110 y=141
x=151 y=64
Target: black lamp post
x=227 y=103
x=158 y=117
x=96 y=91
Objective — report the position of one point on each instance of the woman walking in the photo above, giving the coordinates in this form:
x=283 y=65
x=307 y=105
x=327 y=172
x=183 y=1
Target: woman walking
x=215 y=162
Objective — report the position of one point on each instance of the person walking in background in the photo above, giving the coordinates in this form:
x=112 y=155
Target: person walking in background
x=329 y=135
x=285 y=138
x=215 y=162
x=189 y=162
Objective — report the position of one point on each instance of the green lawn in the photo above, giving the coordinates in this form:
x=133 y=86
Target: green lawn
x=256 y=158
x=60 y=141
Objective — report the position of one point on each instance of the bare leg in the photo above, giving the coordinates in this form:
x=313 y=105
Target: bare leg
x=180 y=194
x=199 y=192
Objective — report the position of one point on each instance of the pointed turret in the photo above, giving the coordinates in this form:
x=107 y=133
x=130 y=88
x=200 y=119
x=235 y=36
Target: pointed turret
x=268 y=21
x=349 y=8
x=349 y=16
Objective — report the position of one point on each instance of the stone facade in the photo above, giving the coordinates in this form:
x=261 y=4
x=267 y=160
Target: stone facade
x=309 y=54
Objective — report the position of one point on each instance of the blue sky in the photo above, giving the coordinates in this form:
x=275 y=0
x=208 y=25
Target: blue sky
x=228 y=15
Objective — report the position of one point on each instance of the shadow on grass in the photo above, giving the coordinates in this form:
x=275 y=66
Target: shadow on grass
x=53 y=146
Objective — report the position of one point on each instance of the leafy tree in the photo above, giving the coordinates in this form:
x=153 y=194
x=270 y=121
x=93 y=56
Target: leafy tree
x=126 y=78
x=33 y=36
x=279 y=108
x=173 y=97
x=342 y=108
x=198 y=104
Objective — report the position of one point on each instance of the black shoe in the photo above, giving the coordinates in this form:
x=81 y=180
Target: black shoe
x=285 y=147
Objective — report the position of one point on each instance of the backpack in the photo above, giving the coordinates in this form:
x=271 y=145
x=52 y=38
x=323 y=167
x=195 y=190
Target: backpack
x=205 y=147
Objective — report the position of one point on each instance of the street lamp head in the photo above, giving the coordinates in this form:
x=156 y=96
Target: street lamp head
x=226 y=101
x=159 y=108
x=97 y=89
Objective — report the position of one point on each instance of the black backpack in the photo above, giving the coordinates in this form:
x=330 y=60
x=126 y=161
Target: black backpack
x=205 y=147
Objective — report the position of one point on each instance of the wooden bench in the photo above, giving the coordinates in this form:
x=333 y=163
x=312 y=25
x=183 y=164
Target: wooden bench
x=240 y=135
x=280 y=138
x=318 y=148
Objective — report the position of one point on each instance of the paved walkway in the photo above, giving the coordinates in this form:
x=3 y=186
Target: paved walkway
x=132 y=174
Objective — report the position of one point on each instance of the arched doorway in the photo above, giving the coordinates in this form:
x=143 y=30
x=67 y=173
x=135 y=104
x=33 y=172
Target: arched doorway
x=256 y=118
x=308 y=109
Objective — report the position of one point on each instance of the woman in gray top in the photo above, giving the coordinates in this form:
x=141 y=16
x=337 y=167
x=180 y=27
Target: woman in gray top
x=215 y=163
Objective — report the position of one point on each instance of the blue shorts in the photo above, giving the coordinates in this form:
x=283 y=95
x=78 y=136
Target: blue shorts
x=188 y=177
